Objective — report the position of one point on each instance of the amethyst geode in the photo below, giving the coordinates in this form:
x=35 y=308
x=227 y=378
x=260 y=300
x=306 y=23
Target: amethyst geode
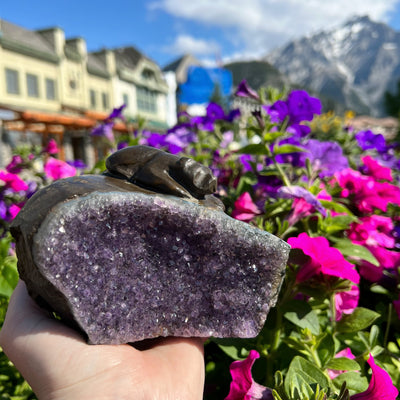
x=123 y=264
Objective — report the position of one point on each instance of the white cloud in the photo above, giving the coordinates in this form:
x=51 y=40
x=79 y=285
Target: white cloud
x=265 y=24
x=189 y=44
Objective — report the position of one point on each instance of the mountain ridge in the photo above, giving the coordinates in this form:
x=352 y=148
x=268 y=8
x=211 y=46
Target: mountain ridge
x=353 y=64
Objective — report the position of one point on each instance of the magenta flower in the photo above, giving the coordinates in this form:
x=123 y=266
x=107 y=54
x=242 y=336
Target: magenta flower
x=380 y=387
x=243 y=387
x=333 y=373
x=14 y=210
x=376 y=170
x=375 y=230
x=57 y=169
x=346 y=302
x=366 y=193
x=13 y=182
x=244 y=90
x=323 y=259
x=387 y=259
x=245 y=210
x=51 y=147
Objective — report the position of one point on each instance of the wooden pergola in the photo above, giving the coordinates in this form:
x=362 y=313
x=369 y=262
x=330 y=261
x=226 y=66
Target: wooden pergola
x=56 y=124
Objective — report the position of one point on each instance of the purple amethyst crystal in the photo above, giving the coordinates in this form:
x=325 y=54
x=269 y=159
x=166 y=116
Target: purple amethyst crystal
x=123 y=265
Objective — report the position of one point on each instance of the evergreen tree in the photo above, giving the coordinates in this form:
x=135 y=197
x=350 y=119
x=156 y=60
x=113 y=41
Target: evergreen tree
x=392 y=102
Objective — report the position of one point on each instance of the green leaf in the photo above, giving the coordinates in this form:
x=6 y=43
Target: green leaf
x=354 y=381
x=326 y=348
x=360 y=319
x=288 y=148
x=335 y=206
x=343 y=364
x=254 y=149
x=302 y=315
x=349 y=249
x=8 y=278
x=303 y=376
x=237 y=349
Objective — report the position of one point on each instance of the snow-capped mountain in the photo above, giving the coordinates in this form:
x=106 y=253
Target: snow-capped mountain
x=353 y=64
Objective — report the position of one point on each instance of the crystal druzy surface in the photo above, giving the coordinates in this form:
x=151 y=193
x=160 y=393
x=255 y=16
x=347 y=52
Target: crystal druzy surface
x=133 y=266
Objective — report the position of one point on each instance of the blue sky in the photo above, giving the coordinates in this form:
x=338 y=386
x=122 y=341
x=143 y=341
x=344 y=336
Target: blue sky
x=212 y=30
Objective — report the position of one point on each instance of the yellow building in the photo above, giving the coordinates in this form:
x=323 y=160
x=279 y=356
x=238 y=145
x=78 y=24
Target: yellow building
x=51 y=86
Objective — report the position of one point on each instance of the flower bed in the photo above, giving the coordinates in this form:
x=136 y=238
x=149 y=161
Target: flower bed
x=332 y=193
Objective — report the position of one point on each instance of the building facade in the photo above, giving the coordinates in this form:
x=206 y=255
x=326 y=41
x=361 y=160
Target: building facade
x=51 y=86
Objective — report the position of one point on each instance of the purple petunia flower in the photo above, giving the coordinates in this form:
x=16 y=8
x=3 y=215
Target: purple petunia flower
x=297 y=159
x=122 y=145
x=244 y=90
x=277 y=111
x=302 y=107
x=368 y=140
x=15 y=166
x=104 y=130
x=298 y=192
x=3 y=210
x=326 y=157
x=79 y=164
x=233 y=114
x=116 y=113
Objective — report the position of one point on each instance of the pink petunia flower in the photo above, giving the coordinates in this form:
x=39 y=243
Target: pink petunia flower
x=387 y=259
x=245 y=209
x=51 y=147
x=366 y=193
x=13 y=210
x=243 y=387
x=57 y=169
x=380 y=386
x=13 y=181
x=346 y=302
x=324 y=259
x=376 y=170
x=374 y=230
x=333 y=373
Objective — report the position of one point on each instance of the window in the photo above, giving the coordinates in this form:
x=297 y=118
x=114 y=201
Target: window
x=125 y=99
x=32 y=85
x=50 y=89
x=148 y=74
x=92 y=94
x=146 y=99
x=12 y=81
x=104 y=100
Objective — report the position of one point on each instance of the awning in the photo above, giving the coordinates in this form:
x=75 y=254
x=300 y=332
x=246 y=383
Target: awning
x=70 y=121
x=44 y=122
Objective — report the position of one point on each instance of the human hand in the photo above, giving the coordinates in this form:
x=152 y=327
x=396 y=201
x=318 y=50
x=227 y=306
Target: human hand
x=59 y=364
